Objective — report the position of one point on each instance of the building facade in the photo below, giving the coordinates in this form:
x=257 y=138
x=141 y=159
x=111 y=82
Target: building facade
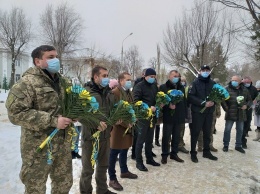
x=22 y=63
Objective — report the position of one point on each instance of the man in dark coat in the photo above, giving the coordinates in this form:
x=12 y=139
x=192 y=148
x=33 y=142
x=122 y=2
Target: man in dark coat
x=235 y=112
x=145 y=91
x=201 y=88
x=99 y=88
x=172 y=120
x=253 y=93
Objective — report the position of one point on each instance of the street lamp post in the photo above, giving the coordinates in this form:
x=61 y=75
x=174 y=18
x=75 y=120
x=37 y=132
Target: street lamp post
x=122 y=50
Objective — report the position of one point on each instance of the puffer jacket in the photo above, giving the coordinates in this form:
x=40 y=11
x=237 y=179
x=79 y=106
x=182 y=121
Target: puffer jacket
x=105 y=98
x=230 y=106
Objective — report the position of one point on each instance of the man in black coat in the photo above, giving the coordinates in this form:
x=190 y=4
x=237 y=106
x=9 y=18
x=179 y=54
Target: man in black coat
x=172 y=120
x=201 y=88
x=253 y=93
x=145 y=91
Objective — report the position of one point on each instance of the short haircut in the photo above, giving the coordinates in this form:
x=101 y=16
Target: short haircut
x=122 y=75
x=174 y=71
x=96 y=70
x=39 y=51
x=247 y=77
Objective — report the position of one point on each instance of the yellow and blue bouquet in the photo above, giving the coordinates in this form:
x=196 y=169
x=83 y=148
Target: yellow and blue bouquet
x=122 y=111
x=142 y=110
x=161 y=100
x=217 y=95
x=77 y=104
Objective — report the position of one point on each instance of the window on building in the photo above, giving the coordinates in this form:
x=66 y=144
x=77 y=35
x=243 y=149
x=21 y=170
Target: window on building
x=17 y=62
x=17 y=77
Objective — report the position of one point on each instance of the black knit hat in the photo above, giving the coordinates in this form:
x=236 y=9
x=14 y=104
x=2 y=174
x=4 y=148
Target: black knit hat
x=203 y=67
x=150 y=71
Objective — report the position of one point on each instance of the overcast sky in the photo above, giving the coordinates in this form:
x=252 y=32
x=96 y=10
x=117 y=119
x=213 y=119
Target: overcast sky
x=108 y=22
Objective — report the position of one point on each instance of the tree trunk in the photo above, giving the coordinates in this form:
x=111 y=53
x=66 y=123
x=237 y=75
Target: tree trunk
x=13 y=70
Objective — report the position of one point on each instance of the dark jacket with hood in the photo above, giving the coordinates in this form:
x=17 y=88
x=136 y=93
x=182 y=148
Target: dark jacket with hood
x=230 y=106
x=105 y=98
x=252 y=92
x=200 y=89
x=180 y=112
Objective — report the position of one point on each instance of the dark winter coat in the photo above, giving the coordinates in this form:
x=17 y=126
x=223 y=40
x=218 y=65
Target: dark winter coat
x=230 y=106
x=252 y=92
x=105 y=98
x=146 y=92
x=200 y=89
x=180 y=112
x=118 y=140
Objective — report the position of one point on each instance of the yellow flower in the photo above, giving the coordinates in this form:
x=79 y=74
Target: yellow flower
x=84 y=104
x=84 y=94
x=125 y=103
x=68 y=90
x=161 y=94
x=139 y=103
x=150 y=112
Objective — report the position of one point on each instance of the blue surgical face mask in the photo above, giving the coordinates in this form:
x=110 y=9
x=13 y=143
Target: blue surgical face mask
x=151 y=80
x=183 y=83
x=104 y=81
x=128 y=85
x=175 y=80
x=53 y=65
x=234 y=83
x=205 y=74
x=247 y=85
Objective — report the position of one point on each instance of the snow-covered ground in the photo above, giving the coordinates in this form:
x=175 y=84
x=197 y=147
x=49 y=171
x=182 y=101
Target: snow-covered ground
x=232 y=173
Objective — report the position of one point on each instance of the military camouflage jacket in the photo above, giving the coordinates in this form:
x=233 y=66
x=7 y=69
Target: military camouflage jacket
x=34 y=104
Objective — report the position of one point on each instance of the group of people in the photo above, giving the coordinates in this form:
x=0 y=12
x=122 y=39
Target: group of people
x=33 y=103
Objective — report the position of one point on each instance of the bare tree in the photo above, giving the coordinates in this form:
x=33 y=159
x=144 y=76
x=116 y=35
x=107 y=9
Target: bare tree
x=187 y=39
x=251 y=6
x=62 y=28
x=15 y=33
x=133 y=61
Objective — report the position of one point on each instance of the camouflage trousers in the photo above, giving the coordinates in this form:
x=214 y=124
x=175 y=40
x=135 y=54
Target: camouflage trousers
x=182 y=131
x=200 y=139
x=101 y=167
x=35 y=170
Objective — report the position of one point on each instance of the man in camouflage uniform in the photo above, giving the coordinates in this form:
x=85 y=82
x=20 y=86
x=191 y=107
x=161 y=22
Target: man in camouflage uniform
x=99 y=88
x=34 y=104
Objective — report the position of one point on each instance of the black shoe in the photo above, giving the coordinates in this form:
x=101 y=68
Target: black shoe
x=152 y=162
x=244 y=146
x=183 y=149
x=240 y=149
x=194 y=159
x=141 y=167
x=164 y=160
x=176 y=158
x=73 y=155
x=249 y=129
x=154 y=155
x=209 y=156
x=225 y=149
x=157 y=143
x=77 y=155
x=133 y=157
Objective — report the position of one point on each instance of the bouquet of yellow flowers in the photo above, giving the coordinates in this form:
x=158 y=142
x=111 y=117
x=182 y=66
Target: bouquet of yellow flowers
x=122 y=111
x=161 y=100
x=77 y=104
x=142 y=110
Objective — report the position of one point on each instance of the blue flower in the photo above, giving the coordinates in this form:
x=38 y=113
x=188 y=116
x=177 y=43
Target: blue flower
x=131 y=111
x=76 y=89
x=93 y=99
x=94 y=105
